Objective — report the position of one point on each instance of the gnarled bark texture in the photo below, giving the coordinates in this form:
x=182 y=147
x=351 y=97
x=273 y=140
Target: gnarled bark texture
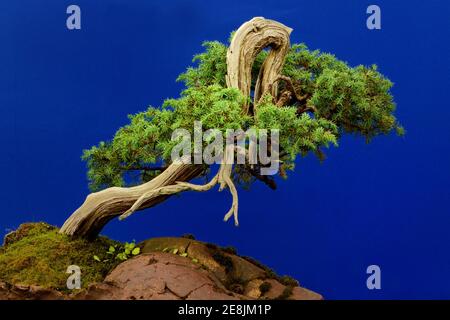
x=100 y=207
x=248 y=41
x=252 y=37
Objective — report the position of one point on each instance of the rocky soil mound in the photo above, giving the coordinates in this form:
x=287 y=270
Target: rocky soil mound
x=168 y=269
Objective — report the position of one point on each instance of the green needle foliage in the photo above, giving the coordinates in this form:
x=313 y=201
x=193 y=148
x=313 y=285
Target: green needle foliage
x=339 y=99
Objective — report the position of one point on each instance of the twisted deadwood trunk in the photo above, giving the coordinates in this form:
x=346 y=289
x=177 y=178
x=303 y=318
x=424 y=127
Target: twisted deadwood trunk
x=248 y=41
x=252 y=37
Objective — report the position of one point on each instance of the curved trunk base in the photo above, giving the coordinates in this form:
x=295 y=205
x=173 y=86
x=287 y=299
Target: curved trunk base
x=100 y=207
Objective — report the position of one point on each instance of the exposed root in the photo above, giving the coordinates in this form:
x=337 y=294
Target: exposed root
x=168 y=190
x=223 y=178
x=234 y=207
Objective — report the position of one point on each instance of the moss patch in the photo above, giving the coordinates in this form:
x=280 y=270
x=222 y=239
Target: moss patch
x=36 y=254
x=288 y=281
x=265 y=287
x=230 y=250
x=223 y=260
x=270 y=274
x=287 y=292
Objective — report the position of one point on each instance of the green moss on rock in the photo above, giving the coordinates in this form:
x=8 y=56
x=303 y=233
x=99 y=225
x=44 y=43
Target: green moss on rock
x=223 y=260
x=230 y=250
x=288 y=281
x=265 y=287
x=36 y=254
x=287 y=292
x=188 y=236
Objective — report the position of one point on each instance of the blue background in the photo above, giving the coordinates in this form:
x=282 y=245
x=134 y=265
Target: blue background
x=386 y=203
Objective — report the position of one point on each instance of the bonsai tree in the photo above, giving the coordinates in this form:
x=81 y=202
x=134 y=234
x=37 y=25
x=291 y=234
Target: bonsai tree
x=259 y=82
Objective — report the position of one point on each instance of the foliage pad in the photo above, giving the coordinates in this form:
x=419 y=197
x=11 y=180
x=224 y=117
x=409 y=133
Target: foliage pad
x=339 y=99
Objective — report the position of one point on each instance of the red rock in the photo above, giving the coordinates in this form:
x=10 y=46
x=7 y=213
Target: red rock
x=155 y=275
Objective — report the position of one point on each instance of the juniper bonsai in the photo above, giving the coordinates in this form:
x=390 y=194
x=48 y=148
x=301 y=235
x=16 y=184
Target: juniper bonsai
x=259 y=82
